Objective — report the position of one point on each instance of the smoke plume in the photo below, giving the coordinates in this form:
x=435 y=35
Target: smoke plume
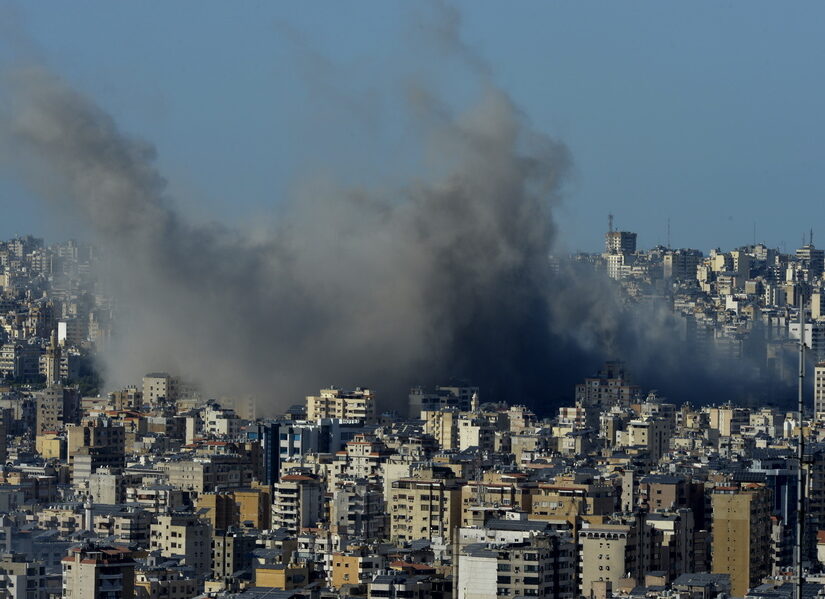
x=446 y=276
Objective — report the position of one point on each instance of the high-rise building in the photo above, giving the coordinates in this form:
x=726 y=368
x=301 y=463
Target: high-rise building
x=441 y=397
x=812 y=259
x=336 y=403
x=56 y=406
x=98 y=443
x=99 y=571
x=680 y=265
x=50 y=362
x=611 y=551
x=741 y=543
x=357 y=509
x=425 y=506
x=819 y=391
x=297 y=502
x=610 y=387
x=620 y=242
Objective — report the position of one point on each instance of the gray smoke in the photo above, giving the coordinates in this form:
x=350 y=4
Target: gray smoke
x=445 y=277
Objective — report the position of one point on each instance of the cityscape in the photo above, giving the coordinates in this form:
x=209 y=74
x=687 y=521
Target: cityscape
x=157 y=490
x=448 y=299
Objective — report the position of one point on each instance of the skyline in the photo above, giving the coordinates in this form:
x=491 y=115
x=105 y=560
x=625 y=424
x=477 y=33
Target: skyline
x=729 y=95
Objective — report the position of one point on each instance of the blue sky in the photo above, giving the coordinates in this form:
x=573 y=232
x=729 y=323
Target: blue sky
x=707 y=113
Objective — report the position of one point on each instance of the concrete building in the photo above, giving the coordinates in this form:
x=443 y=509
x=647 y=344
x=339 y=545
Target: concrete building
x=425 y=506
x=169 y=583
x=297 y=502
x=336 y=403
x=672 y=549
x=611 y=386
x=398 y=586
x=421 y=399
x=653 y=434
x=620 y=242
x=157 y=385
x=811 y=259
x=357 y=509
x=681 y=265
x=254 y=507
x=22 y=578
x=203 y=474
x=232 y=551
x=219 y=508
x=221 y=422
x=98 y=571
x=184 y=536
x=610 y=552
x=539 y=566
x=728 y=420
x=742 y=534
x=56 y=406
x=442 y=424
x=357 y=565
x=97 y=443
x=819 y=391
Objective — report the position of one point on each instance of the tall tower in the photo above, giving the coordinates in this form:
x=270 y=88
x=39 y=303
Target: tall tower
x=52 y=361
x=742 y=534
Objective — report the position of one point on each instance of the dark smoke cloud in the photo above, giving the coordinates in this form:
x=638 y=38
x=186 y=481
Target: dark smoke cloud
x=445 y=277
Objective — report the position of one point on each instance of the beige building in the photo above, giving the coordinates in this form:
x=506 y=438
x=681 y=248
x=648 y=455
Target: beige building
x=425 y=506
x=504 y=491
x=357 y=566
x=741 y=544
x=183 y=535
x=203 y=474
x=97 y=443
x=566 y=499
x=22 y=578
x=55 y=407
x=653 y=434
x=254 y=506
x=538 y=566
x=475 y=431
x=98 y=571
x=151 y=583
x=231 y=552
x=728 y=420
x=297 y=502
x=159 y=384
x=281 y=576
x=610 y=552
x=819 y=391
x=220 y=509
x=336 y=403
x=443 y=426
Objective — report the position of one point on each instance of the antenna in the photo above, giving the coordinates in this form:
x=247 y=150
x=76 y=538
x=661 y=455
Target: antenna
x=610 y=223
x=800 y=480
x=668 y=232
x=811 y=237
